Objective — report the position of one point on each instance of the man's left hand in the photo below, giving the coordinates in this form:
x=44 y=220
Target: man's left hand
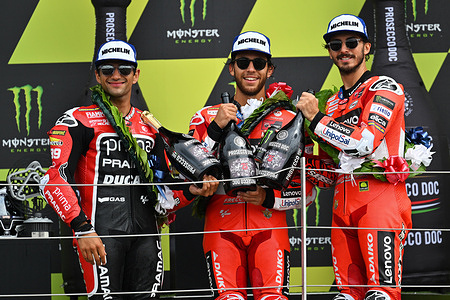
x=209 y=187
x=254 y=197
x=308 y=105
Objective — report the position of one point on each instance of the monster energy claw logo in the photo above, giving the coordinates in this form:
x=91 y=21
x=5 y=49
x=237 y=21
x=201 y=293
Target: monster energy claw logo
x=27 y=91
x=190 y=35
x=414 y=7
x=191 y=10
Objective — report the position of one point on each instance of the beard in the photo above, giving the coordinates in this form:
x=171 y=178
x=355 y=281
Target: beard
x=347 y=69
x=250 y=91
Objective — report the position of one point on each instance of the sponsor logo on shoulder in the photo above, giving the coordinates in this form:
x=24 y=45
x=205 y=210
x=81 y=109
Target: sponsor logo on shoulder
x=89 y=109
x=385 y=101
x=378 y=122
x=55 y=142
x=378 y=119
x=197 y=119
x=387 y=84
x=212 y=111
x=67 y=119
x=95 y=114
x=57 y=132
x=380 y=109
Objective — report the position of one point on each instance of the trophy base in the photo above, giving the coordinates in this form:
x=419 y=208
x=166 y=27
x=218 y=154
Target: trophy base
x=239 y=185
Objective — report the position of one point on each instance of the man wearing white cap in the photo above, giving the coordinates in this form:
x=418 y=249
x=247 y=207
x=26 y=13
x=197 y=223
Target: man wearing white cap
x=244 y=250
x=89 y=147
x=365 y=122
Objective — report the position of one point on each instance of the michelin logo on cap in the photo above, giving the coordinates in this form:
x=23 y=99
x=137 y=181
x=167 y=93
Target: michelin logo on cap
x=346 y=23
x=116 y=50
x=252 y=41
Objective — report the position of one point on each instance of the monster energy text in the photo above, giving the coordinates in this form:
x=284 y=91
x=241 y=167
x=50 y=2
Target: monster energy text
x=26 y=96
x=192 y=36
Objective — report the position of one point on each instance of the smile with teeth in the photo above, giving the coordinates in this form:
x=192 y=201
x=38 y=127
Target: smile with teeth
x=345 y=57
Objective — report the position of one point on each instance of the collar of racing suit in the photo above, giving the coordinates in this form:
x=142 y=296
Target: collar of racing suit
x=346 y=93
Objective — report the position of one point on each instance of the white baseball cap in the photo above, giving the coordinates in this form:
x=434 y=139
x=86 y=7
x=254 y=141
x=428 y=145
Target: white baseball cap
x=251 y=41
x=116 y=50
x=343 y=23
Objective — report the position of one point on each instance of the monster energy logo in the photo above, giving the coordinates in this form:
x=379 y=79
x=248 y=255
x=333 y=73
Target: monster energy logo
x=192 y=36
x=421 y=30
x=414 y=7
x=191 y=10
x=27 y=91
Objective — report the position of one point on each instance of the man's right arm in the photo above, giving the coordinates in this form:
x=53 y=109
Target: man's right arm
x=66 y=146
x=69 y=140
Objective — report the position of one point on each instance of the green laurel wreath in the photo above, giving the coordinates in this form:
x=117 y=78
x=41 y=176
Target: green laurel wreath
x=137 y=154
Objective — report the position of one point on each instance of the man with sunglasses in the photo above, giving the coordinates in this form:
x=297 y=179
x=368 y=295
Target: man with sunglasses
x=364 y=121
x=244 y=250
x=86 y=149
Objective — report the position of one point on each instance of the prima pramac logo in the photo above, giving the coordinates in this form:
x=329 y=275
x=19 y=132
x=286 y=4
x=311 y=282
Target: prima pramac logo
x=30 y=95
x=26 y=100
x=193 y=35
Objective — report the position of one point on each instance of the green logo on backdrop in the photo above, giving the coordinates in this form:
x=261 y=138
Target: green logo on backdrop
x=28 y=92
x=191 y=10
x=414 y=7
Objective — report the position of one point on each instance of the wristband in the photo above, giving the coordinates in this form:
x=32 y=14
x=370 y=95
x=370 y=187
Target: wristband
x=81 y=233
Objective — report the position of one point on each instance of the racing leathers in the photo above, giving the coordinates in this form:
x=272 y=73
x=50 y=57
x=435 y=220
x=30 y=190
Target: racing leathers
x=367 y=121
x=262 y=256
x=86 y=151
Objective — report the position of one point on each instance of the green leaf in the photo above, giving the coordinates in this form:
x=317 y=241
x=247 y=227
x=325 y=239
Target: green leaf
x=323 y=96
x=112 y=113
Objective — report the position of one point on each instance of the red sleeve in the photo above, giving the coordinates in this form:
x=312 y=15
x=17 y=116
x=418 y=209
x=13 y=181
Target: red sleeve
x=56 y=190
x=382 y=107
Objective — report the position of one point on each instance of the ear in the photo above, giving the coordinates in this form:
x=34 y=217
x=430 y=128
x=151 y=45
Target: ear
x=97 y=76
x=367 y=47
x=270 y=71
x=231 y=69
x=136 y=76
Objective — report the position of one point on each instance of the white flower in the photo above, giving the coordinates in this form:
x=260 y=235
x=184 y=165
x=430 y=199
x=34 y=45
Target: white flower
x=419 y=154
x=349 y=163
x=250 y=107
x=165 y=199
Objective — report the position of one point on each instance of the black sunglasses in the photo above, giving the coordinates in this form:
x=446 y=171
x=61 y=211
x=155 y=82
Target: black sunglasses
x=350 y=43
x=244 y=62
x=108 y=70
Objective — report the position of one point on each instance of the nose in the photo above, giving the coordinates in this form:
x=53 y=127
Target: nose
x=116 y=73
x=344 y=47
x=251 y=67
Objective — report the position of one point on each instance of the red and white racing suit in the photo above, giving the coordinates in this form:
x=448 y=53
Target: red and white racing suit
x=262 y=256
x=367 y=120
x=86 y=150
